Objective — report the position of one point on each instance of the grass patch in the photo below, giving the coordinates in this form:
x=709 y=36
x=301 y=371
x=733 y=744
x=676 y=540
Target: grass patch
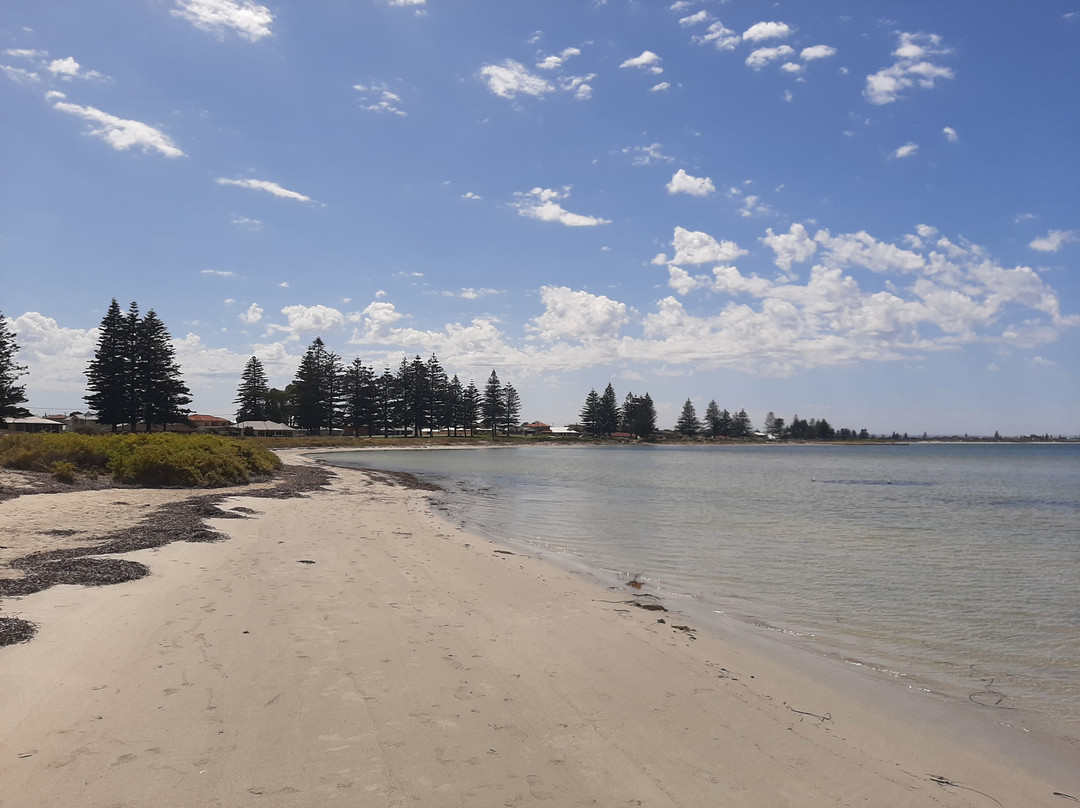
x=159 y=459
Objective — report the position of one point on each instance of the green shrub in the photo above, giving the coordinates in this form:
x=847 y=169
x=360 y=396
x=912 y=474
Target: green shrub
x=157 y=459
x=63 y=471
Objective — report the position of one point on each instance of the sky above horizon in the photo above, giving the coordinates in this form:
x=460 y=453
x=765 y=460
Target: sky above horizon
x=848 y=211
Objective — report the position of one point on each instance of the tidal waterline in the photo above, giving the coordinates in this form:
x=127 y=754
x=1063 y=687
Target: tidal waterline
x=951 y=567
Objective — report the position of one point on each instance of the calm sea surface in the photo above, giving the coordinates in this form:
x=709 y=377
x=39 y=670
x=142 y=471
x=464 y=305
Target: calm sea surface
x=953 y=568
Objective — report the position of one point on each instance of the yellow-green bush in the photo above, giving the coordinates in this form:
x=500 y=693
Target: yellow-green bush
x=144 y=459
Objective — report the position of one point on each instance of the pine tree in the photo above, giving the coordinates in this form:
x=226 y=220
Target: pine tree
x=252 y=394
x=608 y=414
x=358 y=388
x=590 y=414
x=455 y=412
x=163 y=393
x=492 y=404
x=470 y=407
x=11 y=394
x=107 y=377
x=741 y=426
x=311 y=389
x=386 y=402
x=712 y=419
x=688 y=423
x=645 y=417
x=437 y=412
x=511 y=407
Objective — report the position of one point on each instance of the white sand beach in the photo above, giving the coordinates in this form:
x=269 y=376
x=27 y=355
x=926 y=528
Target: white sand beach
x=352 y=648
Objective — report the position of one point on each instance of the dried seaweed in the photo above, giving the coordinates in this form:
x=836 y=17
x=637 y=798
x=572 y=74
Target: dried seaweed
x=176 y=521
x=14 y=631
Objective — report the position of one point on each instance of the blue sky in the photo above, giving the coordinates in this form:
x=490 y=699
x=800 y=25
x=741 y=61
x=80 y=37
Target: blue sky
x=865 y=212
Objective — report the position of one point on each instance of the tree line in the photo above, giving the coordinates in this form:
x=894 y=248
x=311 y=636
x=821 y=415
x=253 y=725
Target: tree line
x=719 y=423
x=602 y=415
x=417 y=397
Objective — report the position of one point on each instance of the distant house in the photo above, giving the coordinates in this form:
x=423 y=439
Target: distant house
x=564 y=430
x=536 y=428
x=33 y=423
x=265 y=429
x=209 y=422
x=83 y=422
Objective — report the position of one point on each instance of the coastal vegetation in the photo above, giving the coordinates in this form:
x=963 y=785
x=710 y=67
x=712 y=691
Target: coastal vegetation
x=159 y=459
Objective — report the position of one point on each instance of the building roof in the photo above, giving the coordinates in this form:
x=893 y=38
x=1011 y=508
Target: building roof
x=266 y=426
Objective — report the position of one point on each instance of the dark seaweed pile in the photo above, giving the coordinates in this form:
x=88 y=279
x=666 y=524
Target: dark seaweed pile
x=175 y=521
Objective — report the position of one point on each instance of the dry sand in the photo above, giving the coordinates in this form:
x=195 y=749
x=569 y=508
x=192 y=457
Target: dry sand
x=350 y=648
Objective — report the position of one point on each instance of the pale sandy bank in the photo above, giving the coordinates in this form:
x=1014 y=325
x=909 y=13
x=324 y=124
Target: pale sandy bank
x=350 y=648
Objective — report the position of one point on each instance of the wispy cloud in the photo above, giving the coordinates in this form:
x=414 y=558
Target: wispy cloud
x=121 y=133
x=511 y=78
x=267 y=186
x=249 y=20
x=378 y=97
x=907 y=150
x=221 y=273
x=1055 y=240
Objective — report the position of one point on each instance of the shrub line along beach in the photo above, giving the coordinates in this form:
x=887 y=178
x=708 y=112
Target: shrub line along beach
x=345 y=645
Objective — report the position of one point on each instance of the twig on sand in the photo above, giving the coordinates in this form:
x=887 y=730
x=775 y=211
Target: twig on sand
x=945 y=781
x=821 y=718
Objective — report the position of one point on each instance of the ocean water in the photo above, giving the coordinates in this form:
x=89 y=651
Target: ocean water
x=951 y=568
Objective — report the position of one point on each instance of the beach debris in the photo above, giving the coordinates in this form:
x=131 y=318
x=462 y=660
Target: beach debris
x=821 y=718
x=945 y=781
x=305 y=561
x=634 y=583
x=1066 y=796
x=652 y=607
x=504 y=552
x=14 y=630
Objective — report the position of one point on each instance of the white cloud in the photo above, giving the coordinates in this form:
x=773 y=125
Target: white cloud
x=68 y=69
x=763 y=56
x=950 y=134
x=578 y=316
x=696 y=247
x=540 y=203
x=20 y=75
x=554 y=62
x=578 y=85
x=907 y=150
x=647 y=60
x=471 y=196
x=120 y=133
x=817 y=52
x=791 y=67
x=469 y=293
x=1054 y=240
x=912 y=68
x=661 y=87
x=683 y=183
x=312 y=319
x=249 y=20
x=645 y=155
x=793 y=247
x=767 y=30
x=510 y=78
x=695 y=19
x=720 y=37
x=267 y=186
x=252 y=315
x=378 y=97
x=244 y=223
x=221 y=273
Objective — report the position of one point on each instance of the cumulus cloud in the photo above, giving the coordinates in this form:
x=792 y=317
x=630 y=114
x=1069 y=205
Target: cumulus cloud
x=247 y=19
x=120 y=133
x=253 y=314
x=1054 y=240
x=68 y=69
x=511 y=78
x=313 y=319
x=762 y=56
x=950 y=134
x=767 y=30
x=915 y=65
x=555 y=61
x=578 y=316
x=793 y=247
x=683 y=183
x=542 y=204
x=907 y=150
x=267 y=186
x=647 y=61
x=696 y=247
x=720 y=37
x=817 y=52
